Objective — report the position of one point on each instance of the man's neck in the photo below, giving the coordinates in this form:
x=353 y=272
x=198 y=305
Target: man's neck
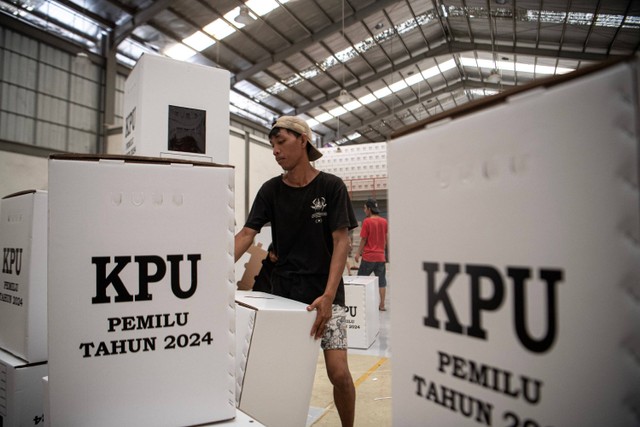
x=301 y=175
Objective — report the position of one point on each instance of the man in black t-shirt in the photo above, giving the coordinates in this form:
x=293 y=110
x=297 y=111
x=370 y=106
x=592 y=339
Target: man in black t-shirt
x=310 y=215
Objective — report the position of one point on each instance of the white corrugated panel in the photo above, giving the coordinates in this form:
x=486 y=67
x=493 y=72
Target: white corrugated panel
x=55 y=57
x=18 y=100
x=53 y=81
x=19 y=69
x=52 y=109
x=19 y=43
x=51 y=136
x=83 y=118
x=16 y=128
x=81 y=142
x=84 y=92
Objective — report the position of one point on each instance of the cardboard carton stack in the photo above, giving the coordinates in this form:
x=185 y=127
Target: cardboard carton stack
x=23 y=309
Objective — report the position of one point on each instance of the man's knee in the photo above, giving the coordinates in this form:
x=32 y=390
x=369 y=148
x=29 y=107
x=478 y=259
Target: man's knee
x=341 y=378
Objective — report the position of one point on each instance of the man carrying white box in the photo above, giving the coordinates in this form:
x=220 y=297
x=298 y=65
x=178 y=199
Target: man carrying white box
x=310 y=215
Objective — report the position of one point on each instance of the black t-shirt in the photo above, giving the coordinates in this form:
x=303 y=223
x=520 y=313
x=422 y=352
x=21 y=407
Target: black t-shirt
x=302 y=220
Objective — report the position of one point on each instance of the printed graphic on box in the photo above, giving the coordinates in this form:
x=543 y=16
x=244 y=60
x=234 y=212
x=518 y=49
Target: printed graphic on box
x=518 y=264
x=23 y=278
x=140 y=252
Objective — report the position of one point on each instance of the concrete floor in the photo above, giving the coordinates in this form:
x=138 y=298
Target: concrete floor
x=371 y=371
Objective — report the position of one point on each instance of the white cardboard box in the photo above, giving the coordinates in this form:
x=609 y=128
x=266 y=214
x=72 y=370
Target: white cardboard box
x=141 y=292
x=363 y=318
x=240 y=420
x=176 y=109
x=21 y=393
x=519 y=262
x=45 y=400
x=276 y=358
x=23 y=278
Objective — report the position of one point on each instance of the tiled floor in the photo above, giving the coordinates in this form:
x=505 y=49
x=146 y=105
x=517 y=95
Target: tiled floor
x=371 y=371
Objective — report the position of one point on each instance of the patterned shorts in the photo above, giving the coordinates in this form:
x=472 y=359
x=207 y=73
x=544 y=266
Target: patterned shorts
x=335 y=331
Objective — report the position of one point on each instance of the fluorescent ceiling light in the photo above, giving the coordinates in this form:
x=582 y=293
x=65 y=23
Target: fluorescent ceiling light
x=430 y=72
x=447 y=65
x=381 y=93
x=367 y=99
x=514 y=66
x=323 y=117
x=414 y=79
x=352 y=105
x=199 y=41
x=482 y=92
x=338 y=111
x=180 y=52
x=398 y=86
x=312 y=123
x=219 y=29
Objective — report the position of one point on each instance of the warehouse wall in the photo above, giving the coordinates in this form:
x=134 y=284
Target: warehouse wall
x=50 y=98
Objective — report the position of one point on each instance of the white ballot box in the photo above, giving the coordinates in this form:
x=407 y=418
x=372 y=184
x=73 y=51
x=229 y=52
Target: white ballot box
x=363 y=319
x=176 y=109
x=141 y=292
x=21 y=393
x=23 y=278
x=520 y=262
x=276 y=358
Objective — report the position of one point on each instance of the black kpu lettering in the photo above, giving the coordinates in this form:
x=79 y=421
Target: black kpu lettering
x=438 y=296
x=455 y=401
x=11 y=258
x=112 y=279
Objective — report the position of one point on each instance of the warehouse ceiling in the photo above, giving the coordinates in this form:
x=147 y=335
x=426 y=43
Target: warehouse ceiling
x=357 y=70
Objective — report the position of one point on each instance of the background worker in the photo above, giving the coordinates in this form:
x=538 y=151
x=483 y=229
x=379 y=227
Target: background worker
x=373 y=243
x=262 y=281
x=310 y=215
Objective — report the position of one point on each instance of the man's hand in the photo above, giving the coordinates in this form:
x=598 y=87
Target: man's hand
x=323 y=304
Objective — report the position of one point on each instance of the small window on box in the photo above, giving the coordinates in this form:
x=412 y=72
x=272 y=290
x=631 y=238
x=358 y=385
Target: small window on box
x=187 y=129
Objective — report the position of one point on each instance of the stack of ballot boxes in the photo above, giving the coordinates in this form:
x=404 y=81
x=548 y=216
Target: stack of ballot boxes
x=23 y=309
x=361 y=305
x=141 y=292
x=276 y=358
